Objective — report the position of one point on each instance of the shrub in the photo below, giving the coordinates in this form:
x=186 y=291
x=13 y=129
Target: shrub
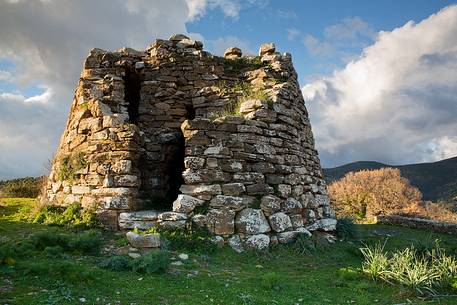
x=70 y=164
x=65 y=270
x=429 y=210
x=88 y=242
x=369 y=193
x=271 y=281
x=240 y=92
x=153 y=262
x=72 y=215
x=304 y=245
x=28 y=187
x=117 y=263
x=193 y=240
x=49 y=238
x=54 y=251
x=240 y=64
x=346 y=229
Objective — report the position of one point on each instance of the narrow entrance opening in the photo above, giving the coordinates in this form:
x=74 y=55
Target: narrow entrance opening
x=175 y=168
x=132 y=88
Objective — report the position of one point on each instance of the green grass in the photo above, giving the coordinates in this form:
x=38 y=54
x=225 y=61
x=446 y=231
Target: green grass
x=328 y=275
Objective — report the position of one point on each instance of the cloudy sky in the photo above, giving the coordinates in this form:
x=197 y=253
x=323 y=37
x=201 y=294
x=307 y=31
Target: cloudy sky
x=379 y=77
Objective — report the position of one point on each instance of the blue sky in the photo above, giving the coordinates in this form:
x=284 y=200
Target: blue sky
x=378 y=77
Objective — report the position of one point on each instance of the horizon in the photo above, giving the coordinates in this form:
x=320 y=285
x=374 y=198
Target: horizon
x=376 y=88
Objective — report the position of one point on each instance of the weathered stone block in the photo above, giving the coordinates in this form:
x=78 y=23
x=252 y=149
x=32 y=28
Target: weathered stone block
x=280 y=222
x=143 y=241
x=186 y=203
x=251 y=221
x=221 y=221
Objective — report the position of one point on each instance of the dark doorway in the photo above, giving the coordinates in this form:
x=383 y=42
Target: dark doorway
x=132 y=88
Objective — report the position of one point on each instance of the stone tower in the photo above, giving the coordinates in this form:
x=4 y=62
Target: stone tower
x=173 y=136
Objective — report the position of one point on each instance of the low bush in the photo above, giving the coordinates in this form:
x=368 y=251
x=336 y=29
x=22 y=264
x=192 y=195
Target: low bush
x=28 y=187
x=64 y=270
x=271 y=281
x=117 y=263
x=71 y=215
x=426 y=273
x=192 y=240
x=304 y=245
x=153 y=262
x=87 y=242
x=346 y=229
x=54 y=251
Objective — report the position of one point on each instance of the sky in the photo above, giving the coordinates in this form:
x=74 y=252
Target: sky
x=378 y=77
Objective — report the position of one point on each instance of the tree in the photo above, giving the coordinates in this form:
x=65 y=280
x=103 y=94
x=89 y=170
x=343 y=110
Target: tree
x=369 y=193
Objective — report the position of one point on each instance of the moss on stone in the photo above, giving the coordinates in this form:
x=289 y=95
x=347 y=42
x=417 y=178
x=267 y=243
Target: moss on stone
x=70 y=165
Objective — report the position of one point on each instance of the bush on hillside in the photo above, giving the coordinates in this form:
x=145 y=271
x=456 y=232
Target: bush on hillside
x=369 y=193
x=28 y=187
x=430 y=210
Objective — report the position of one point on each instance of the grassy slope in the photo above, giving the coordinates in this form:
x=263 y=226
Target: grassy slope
x=220 y=278
x=437 y=180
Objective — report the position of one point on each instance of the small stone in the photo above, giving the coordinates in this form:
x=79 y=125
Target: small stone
x=178 y=37
x=326 y=224
x=183 y=256
x=232 y=52
x=280 y=222
x=258 y=242
x=134 y=255
x=218 y=240
x=177 y=263
x=236 y=244
x=267 y=48
x=270 y=204
x=292 y=205
x=139 y=65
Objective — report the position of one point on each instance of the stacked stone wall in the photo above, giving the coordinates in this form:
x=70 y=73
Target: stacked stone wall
x=223 y=143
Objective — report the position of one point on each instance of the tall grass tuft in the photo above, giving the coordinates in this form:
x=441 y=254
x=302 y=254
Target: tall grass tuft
x=426 y=273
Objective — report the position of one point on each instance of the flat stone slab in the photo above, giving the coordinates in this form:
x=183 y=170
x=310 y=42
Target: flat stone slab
x=141 y=220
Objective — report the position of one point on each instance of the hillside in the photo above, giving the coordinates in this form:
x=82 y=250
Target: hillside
x=436 y=180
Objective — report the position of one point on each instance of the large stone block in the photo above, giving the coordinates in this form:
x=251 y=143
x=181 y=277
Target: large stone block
x=221 y=221
x=251 y=221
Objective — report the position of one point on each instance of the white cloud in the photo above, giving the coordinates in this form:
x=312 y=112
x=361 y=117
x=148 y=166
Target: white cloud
x=47 y=42
x=442 y=148
x=5 y=76
x=292 y=33
x=317 y=47
x=395 y=100
x=219 y=45
x=351 y=32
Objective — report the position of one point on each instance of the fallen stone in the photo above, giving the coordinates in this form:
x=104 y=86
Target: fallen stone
x=143 y=241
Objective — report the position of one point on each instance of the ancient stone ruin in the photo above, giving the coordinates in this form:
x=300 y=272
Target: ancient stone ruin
x=173 y=136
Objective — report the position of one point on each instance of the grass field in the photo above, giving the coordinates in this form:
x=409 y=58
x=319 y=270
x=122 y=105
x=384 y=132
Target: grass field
x=331 y=275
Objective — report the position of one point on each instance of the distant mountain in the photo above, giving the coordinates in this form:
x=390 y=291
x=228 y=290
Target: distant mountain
x=436 y=181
